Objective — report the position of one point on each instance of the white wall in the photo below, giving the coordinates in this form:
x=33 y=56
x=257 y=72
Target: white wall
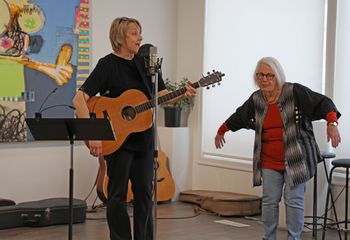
x=190 y=33
x=342 y=72
x=37 y=170
x=158 y=20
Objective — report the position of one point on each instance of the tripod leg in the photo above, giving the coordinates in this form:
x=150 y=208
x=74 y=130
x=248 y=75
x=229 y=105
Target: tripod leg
x=70 y=232
x=71 y=181
x=155 y=196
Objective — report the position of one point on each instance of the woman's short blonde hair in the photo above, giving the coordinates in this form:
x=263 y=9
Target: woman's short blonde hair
x=117 y=32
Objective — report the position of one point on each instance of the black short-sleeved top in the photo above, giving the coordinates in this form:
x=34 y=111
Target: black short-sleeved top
x=114 y=75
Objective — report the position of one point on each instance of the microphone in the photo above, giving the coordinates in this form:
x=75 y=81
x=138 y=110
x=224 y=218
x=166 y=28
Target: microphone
x=149 y=53
x=38 y=113
x=153 y=66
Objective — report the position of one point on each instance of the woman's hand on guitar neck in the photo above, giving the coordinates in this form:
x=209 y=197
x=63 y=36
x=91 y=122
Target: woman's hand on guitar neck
x=95 y=148
x=191 y=91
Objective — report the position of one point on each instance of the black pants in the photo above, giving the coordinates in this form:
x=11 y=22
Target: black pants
x=138 y=166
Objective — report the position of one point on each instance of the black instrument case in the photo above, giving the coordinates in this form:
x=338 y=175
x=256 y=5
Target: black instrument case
x=41 y=213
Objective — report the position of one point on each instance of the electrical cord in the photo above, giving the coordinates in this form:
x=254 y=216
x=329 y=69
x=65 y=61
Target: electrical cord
x=94 y=207
x=12 y=125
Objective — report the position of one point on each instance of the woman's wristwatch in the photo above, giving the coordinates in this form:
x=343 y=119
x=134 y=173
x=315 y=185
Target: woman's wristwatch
x=332 y=124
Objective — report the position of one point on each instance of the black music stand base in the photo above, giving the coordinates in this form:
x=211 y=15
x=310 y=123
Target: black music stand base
x=70 y=129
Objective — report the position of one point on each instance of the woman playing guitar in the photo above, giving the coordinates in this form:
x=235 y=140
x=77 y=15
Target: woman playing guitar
x=116 y=73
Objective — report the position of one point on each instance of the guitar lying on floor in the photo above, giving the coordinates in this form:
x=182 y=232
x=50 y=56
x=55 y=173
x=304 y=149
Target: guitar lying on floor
x=131 y=111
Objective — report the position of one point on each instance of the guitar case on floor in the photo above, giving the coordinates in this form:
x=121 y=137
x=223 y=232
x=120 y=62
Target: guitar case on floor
x=224 y=203
x=51 y=211
x=6 y=202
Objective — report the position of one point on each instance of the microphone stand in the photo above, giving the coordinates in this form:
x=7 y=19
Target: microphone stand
x=154 y=78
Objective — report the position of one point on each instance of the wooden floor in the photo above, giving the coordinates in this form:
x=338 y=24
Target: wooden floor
x=176 y=221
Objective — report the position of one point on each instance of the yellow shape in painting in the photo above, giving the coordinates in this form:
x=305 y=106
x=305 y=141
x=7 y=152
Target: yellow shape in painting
x=12 y=79
x=31 y=18
x=4 y=16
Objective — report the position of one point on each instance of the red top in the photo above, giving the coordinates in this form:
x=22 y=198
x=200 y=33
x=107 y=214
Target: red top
x=272 y=149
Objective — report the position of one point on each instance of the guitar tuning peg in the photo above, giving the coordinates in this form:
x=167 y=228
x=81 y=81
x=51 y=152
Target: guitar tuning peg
x=213 y=70
x=208 y=87
x=219 y=83
x=213 y=85
x=208 y=73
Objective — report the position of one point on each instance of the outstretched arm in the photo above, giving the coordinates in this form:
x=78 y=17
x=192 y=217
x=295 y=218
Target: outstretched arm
x=219 y=138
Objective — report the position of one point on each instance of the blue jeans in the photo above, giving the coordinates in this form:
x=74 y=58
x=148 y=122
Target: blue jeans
x=274 y=182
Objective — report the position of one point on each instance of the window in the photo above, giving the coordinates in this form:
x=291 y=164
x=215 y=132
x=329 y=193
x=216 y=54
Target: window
x=237 y=34
x=342 y=74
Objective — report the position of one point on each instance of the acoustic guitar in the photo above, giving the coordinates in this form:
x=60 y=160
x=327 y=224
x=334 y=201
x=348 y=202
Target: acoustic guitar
x=165 y=182
x=132 y=111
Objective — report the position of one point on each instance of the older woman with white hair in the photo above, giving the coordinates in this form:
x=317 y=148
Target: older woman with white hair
x=285 y=149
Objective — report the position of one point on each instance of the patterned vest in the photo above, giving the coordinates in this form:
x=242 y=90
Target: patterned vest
x=301 y=150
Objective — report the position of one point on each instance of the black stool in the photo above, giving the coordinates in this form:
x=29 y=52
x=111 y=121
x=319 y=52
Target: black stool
x=343 y=163
x=314 y=216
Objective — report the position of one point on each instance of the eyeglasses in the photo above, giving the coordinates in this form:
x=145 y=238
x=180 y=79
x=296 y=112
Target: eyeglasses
x=260 y=76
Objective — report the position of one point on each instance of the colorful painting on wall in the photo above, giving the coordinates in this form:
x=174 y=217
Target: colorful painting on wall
x=44 y=58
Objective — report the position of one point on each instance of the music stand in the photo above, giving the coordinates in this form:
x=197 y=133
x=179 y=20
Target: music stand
x=70 y=129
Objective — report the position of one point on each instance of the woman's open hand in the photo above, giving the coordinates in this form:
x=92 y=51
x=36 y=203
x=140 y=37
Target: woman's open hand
x=219 y=141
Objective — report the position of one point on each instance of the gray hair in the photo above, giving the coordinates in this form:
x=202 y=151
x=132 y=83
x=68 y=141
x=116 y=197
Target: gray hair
x=276 y=68
x=117 y=31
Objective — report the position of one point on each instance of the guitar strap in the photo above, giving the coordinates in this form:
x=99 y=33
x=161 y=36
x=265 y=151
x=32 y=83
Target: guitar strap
x=144 y=77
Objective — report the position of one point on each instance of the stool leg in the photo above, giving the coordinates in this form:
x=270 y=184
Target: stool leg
x=333 y=204
x=328 y=181
x=329 y=192
x=325 y=213
x=314 y=217
x=326 y=171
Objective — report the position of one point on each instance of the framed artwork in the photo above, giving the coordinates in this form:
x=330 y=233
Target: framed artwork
x=44 y=58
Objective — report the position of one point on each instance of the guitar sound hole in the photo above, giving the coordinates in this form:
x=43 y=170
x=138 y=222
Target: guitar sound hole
x=128 y=113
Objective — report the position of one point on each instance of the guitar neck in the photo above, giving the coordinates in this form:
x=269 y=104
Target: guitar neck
x=175 y=94
x=167 y=97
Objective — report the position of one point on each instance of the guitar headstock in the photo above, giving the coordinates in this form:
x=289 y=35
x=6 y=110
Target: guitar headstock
x=211 y=79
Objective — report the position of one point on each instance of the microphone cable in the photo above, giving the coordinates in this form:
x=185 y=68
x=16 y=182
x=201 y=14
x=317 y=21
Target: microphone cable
x=57 y=105
x=47 y=97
